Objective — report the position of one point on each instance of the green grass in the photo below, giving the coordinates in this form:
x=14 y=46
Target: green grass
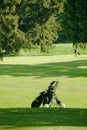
x=21 y=80
x=26 y=118
x=58 y=49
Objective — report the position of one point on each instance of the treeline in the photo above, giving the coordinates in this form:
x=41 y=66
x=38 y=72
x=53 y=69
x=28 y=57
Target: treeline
x=25 y=23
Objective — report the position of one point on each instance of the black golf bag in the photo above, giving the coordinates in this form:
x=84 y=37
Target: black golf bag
x=37 y=102
x=46 y=97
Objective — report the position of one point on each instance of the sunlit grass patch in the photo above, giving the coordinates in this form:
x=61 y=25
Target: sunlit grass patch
x=23 y=78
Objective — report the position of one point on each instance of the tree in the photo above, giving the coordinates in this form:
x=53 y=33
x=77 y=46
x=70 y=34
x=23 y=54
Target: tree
x=38 y=21
x=74 y=21
x=10 y=35
x=24 y=23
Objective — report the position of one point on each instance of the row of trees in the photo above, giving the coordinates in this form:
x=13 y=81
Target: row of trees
x=24 y=23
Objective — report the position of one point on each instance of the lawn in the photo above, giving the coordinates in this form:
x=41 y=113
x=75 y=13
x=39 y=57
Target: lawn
x=23 y=77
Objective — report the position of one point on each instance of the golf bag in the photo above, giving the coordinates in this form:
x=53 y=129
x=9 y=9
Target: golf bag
x=37 y=102
x=47 y=96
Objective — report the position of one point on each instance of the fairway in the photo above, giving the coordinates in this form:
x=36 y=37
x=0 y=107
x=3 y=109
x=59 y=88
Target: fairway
x=43 y=64
x=21 y=80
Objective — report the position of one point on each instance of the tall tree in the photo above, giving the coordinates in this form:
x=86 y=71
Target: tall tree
x=38 y=21
x=9 y=33
x=74 y=21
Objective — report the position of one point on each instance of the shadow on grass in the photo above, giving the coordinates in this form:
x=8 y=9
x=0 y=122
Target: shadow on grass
x=24 y=117
x=71 y=69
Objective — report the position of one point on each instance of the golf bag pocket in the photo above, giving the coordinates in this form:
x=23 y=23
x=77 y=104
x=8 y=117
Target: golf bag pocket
x=37 y=102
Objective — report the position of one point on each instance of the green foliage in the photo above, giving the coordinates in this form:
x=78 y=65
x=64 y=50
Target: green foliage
x=74 y=21
x=9 y=26
x=24 y=23
x=42 y=25
x=46 y=34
